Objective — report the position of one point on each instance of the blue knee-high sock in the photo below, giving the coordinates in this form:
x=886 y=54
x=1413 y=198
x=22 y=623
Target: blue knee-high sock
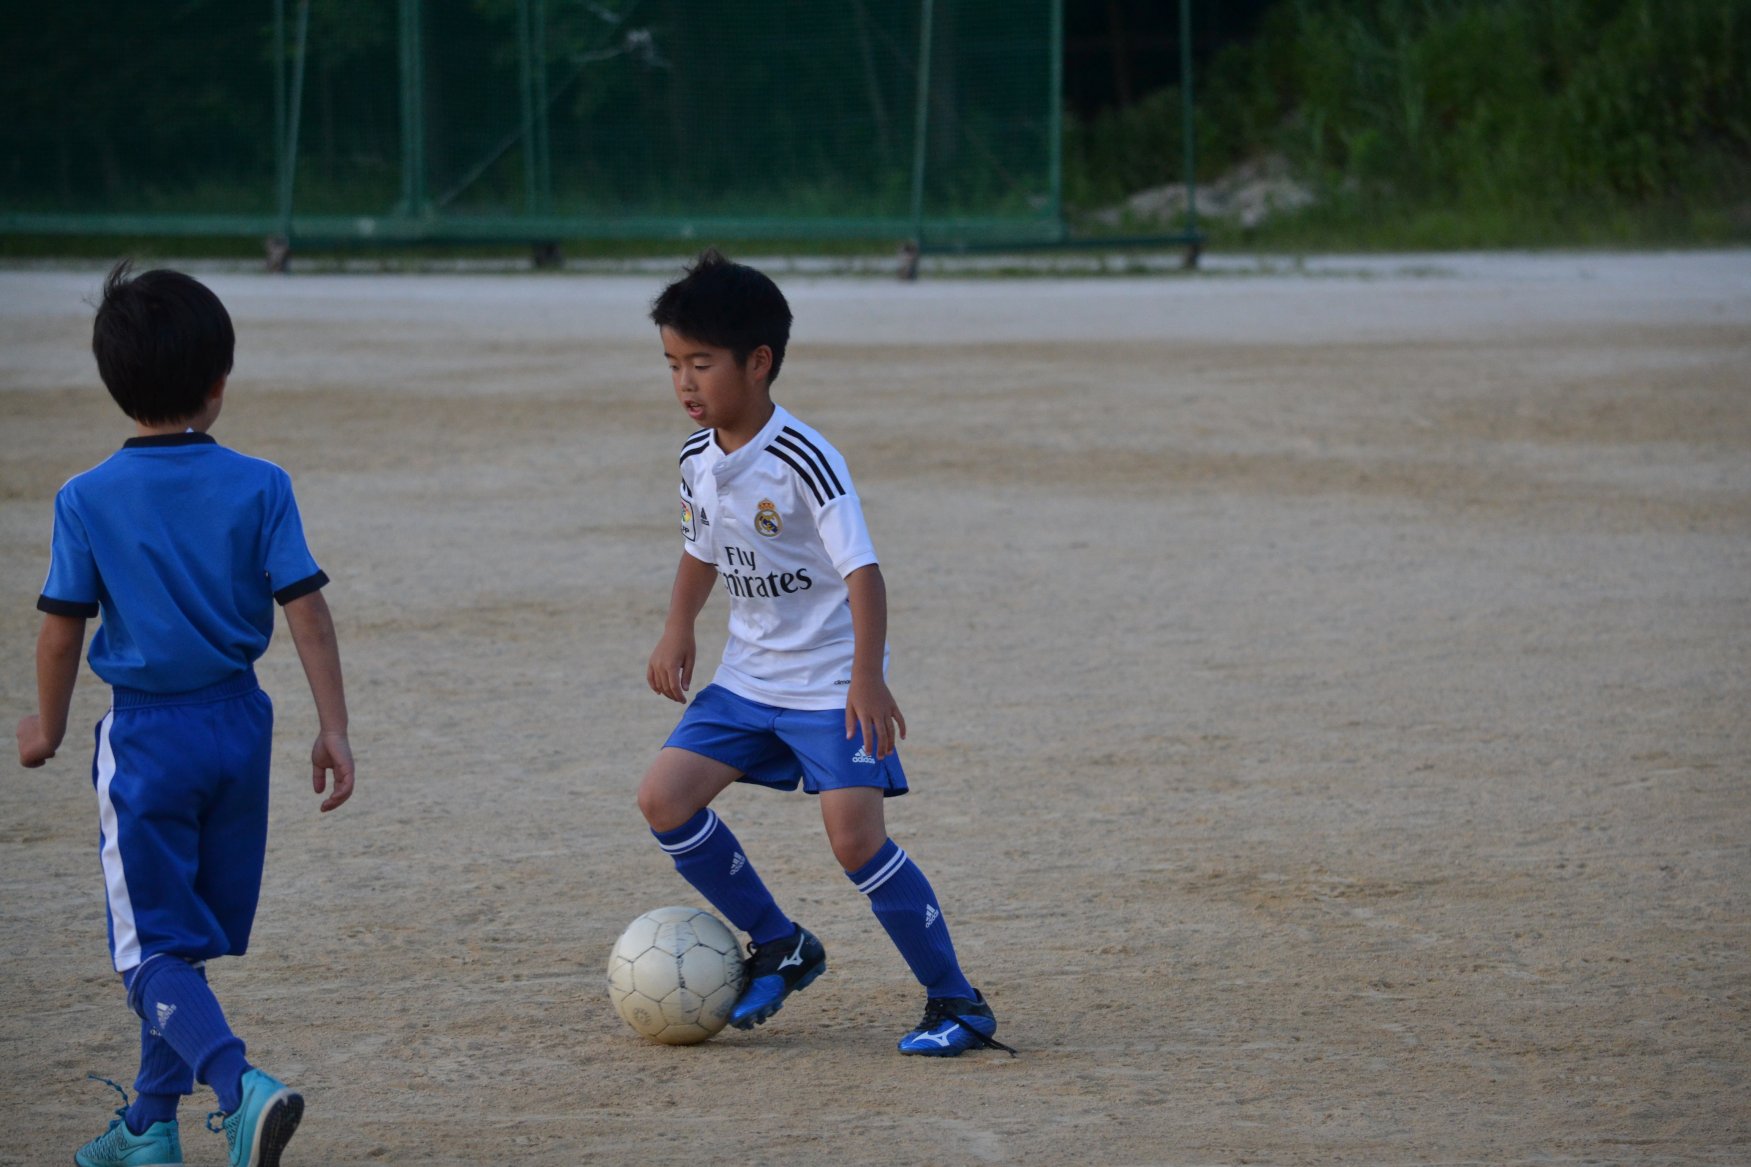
x=708 y=856
x=173 y=995
x=903 y=901
x=163 y=1079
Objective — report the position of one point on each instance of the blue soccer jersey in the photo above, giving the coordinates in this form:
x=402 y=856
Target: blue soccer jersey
x=183 y=546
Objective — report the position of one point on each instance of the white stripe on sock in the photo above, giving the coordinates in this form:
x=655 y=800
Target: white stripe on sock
x=126 y=953
x=688 y=844
x=886 y=873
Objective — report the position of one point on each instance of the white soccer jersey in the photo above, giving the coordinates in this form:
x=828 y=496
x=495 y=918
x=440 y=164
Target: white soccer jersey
x=781 y=522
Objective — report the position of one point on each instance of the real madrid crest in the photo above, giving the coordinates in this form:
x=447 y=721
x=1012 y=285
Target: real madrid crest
x=766 y=520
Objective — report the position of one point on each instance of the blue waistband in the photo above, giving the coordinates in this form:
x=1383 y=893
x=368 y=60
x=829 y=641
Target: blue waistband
x=236 y=685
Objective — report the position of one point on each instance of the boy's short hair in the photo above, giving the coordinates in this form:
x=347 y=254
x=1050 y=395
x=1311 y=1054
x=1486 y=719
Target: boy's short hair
x=727 y=305
x=162 y=341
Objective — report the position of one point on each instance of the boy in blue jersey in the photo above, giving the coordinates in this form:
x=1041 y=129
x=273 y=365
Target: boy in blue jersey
x=768 y=513
x=183 y=547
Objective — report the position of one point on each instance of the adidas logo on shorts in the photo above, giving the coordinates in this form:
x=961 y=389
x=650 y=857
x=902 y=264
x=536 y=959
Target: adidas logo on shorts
x=862 y=757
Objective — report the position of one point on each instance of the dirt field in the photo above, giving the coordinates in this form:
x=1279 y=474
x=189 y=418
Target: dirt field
x=1329 y=691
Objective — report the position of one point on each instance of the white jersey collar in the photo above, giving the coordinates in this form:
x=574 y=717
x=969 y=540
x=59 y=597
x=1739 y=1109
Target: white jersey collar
x=768 y=434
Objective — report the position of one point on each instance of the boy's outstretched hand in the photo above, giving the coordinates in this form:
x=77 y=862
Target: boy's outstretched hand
x=871 y=708
x=332 y=753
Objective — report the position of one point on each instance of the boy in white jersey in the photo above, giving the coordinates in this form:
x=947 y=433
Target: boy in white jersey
x=769 y=514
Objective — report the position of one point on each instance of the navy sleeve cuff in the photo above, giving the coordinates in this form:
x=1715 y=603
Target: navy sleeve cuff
x=303 y=587
x=65 y=608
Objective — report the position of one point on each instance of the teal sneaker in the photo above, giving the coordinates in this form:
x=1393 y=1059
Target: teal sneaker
x=120 y=1147
x=263 y=1123
x=953 y=1025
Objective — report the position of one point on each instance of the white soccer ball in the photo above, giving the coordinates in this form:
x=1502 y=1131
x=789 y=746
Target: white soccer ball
x=675 y=973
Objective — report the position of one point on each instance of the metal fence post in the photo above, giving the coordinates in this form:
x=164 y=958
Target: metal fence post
x=1055 y=120
x=543 y=141
x=289 y=134
x=413 y=132
x=279 y=95
x=1188 y=128
x=921 y=119
x=526 y=91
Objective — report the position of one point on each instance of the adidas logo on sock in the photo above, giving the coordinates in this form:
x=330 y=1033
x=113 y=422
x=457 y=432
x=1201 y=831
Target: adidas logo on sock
x=930 y=914
x=165 y=1012
x=737 y=863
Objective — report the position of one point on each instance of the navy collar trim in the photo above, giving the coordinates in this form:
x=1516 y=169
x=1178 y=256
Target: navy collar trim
x=182 y=439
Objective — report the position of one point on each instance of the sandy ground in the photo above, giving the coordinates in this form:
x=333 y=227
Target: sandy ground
x=1329 y=690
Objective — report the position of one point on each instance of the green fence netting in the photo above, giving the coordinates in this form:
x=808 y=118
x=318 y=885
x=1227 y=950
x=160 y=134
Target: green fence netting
x=934 y=120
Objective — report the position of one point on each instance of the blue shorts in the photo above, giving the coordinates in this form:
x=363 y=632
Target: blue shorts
x=779 y=747
x=182 y=801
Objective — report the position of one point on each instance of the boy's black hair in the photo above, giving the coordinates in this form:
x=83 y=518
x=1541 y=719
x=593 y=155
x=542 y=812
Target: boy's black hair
x=162 y=341
x=727 y=305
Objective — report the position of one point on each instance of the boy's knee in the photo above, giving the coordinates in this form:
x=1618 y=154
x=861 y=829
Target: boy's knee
x=662 y=811
x=650 y=805
x=852 y=848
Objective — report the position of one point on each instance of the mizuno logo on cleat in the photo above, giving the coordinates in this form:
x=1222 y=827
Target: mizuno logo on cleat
x=940 y=1039
x=795 y=958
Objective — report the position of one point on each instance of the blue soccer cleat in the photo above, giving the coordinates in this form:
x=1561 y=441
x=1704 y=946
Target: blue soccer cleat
x=775 y=971
x=120 y=1147
x=263 y=1123
x=953 y=1025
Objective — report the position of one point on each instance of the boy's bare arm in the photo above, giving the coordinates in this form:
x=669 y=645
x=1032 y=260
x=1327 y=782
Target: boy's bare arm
x=57 y=671
x=313 y=632
x=869 y=705
x=670 y=671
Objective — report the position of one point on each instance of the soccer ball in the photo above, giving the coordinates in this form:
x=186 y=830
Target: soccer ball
x=674 y=974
